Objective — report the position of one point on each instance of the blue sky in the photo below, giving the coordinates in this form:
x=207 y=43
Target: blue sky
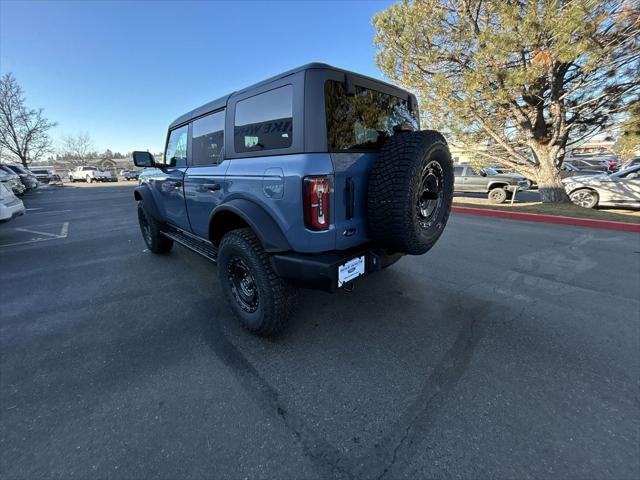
x=123 y=71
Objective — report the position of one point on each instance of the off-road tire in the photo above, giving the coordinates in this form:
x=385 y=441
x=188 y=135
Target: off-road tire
x=497 y=195
x=151 y=228
x=586 y=203
x=276 y=299
x=396 y=187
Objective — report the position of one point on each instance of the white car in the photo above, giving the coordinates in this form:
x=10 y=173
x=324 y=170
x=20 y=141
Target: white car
x=10 y=205
x=620 y=189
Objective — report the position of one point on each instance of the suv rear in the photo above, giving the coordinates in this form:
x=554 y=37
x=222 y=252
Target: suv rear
x=308 y=179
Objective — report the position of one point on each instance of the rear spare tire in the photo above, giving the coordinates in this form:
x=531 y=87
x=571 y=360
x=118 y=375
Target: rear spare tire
x=410 y=192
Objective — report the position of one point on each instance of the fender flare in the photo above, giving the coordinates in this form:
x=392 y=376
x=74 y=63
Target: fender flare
x=497 y=184
x=143 y=194
x=262 y=224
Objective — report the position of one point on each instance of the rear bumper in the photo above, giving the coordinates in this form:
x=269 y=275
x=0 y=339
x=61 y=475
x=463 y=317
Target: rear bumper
x=320 y=271
x=11 y=211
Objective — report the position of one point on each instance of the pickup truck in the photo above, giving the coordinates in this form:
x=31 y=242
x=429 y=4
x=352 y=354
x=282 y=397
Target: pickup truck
x=90 y=175
x=497 y=186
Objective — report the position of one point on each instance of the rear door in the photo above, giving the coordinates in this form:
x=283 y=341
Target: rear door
x=625 y=190
x=469 y=181
x=204 y=181
x=167 y=181
x=475 y=181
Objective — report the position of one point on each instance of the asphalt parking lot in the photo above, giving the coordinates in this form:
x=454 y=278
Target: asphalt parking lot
x=511 y=350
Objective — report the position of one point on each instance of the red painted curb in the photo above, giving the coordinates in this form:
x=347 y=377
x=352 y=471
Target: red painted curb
x=537 y=217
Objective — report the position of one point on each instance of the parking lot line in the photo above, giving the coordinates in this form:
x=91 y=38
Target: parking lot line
x=64 y=231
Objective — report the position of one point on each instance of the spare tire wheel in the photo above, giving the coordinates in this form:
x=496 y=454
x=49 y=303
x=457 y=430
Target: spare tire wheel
x=410 y=192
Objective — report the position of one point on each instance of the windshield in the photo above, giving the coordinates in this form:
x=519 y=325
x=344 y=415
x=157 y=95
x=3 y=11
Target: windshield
x=362 y=122
x=491 y=171
x=39 y=171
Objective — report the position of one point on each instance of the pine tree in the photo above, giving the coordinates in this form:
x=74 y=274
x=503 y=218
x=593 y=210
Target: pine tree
x=518 y=81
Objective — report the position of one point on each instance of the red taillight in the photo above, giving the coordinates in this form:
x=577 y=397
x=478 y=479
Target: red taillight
x=316 y=203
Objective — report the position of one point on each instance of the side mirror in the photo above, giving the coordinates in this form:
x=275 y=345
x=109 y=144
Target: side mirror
x=143 y=159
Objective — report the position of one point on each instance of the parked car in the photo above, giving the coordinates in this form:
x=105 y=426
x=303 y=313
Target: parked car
x=131 y=174
x=600 y=164
x=10 y=205
x=27 y=178
x=620 y=189
x=497 y=186
x=47 y=175
x=570 y=170
x=42 y=174
x=324 y=178
x=12 y=179
x=91 y=174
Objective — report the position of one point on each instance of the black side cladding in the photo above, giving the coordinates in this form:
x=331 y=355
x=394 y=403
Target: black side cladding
x=394 y=190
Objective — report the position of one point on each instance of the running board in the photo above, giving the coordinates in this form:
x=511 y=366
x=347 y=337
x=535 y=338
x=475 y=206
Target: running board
x=193 y=243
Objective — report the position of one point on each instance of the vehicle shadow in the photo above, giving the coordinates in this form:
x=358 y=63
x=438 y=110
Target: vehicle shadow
x=356 y=372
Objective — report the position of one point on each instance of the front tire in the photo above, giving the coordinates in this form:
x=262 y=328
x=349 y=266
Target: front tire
x=497 y=195
x=584 y=197
x=260 y=299
x=151 y=228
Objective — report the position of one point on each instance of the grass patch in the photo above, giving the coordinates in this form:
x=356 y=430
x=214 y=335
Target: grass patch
x=561 y=209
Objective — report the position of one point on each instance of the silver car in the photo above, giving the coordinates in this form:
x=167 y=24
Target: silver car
x=620 y=189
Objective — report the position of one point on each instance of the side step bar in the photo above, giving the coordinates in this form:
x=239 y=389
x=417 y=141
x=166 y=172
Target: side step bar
x=193 y=243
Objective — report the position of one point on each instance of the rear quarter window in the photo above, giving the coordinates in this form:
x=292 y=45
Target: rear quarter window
x=264 y=121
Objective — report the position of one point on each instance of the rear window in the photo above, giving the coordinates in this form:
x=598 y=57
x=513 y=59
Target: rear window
x=264 y=121
x=363 y=121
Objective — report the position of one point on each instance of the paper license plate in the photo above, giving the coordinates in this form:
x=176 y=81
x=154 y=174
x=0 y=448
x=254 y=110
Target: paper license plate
x=350 y=270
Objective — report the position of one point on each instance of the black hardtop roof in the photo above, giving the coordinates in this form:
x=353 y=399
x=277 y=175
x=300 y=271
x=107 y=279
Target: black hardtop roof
x=222 y=101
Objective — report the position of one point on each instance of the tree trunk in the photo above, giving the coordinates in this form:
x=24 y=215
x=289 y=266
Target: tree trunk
x=24 y=162
x=549 y=180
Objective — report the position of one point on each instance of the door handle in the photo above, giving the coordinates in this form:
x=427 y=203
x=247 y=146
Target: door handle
x=212 y=186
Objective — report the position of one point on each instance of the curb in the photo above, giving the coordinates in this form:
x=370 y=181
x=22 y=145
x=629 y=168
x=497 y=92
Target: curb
x=537 y=217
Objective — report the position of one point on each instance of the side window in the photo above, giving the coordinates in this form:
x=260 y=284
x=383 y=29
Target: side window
x=264 y=121
x=176 y=153
x=207 y=139
x=457 y=171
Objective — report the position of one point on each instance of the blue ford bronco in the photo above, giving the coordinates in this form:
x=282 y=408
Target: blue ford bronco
x=310 y=179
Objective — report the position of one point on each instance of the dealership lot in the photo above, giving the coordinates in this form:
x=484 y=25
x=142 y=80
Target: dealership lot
x=510 y=350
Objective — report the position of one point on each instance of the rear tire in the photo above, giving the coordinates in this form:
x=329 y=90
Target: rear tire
x=260 y=299
x=410 y=192
x=497 y=195
x=151 y=228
